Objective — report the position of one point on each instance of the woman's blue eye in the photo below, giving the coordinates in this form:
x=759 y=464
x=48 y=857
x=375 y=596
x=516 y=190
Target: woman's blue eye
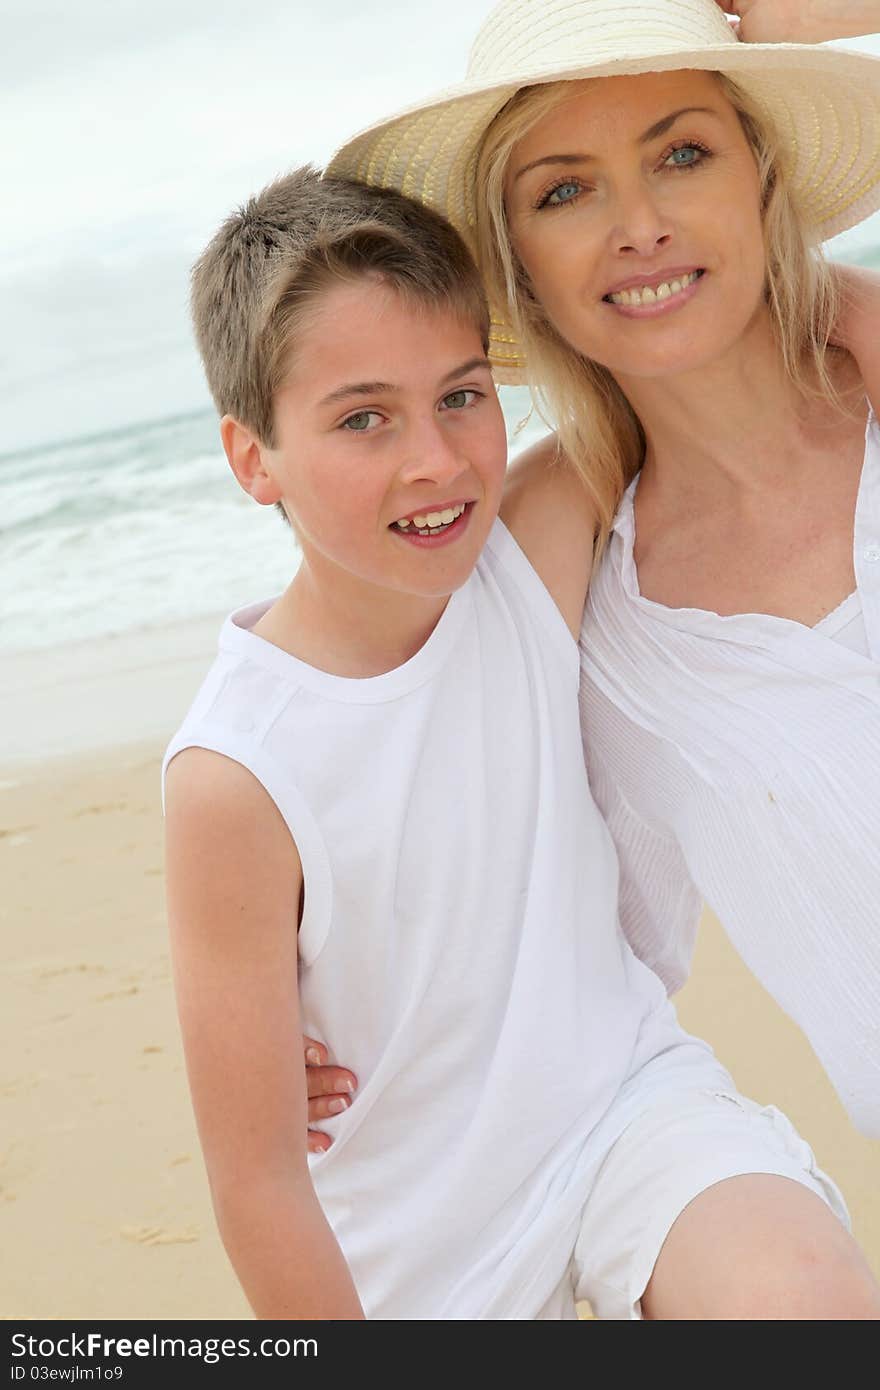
x=685 y=156
x=562 y=193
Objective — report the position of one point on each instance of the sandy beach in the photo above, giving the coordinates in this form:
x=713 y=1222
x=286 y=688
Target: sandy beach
x=104 y=1209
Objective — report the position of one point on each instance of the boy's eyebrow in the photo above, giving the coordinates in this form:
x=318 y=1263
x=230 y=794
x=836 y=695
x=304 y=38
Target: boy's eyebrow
x=473 y=364
x=652 y=133
x=358 y=388
x=380 y=388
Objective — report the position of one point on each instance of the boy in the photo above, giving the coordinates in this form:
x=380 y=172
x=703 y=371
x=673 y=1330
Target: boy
x=380 y=787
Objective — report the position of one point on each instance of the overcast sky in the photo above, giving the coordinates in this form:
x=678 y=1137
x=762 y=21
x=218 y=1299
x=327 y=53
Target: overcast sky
x=129 y=129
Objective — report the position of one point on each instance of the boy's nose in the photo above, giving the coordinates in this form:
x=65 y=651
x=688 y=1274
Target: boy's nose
x=432 y=457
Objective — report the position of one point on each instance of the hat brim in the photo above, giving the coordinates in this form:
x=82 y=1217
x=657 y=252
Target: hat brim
x=824 y=102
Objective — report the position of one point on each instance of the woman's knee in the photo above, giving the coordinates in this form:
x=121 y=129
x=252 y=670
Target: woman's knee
x=759 y=1247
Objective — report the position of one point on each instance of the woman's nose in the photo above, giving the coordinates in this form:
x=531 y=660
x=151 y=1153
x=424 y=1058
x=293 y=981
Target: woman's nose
x=641 y=226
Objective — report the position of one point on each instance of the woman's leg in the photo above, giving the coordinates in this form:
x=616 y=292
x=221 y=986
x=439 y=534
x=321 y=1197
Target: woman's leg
x=760 y=1247
x=706 y=1205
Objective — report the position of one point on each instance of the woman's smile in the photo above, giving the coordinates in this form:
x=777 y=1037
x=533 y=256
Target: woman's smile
x=650 y=296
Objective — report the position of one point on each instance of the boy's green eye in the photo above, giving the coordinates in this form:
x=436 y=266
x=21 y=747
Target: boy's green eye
x=457 y=400
x=359 y=422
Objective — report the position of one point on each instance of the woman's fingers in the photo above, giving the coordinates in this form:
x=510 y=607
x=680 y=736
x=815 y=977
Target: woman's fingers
x=330 y=1091
x=329 y=1081
x=324 y=1080
x=729 y=9
x=322 y=1107
x=315 y=1053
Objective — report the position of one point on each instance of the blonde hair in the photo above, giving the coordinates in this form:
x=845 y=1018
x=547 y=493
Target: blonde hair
x=597 y=427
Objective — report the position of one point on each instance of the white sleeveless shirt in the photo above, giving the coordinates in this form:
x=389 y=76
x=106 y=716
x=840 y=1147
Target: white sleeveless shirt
x=737 y=760
x=459 y=948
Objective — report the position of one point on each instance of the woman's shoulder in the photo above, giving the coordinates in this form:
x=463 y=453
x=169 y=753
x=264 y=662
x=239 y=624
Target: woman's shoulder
x=857 y=332
x=550 y=513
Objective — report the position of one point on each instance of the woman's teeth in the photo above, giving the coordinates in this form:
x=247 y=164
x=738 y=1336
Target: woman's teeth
x=432 y=522
x=650 y=294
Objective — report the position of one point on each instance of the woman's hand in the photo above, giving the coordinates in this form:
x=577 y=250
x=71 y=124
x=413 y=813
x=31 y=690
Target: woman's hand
x=802 y=21
x=330 y=1091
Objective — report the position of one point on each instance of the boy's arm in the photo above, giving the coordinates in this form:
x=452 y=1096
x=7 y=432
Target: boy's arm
x=548 y=510
x=234 y=886
x=858 y=324
x=803 y=21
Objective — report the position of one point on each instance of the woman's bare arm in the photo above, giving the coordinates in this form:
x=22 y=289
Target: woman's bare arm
x=547 y=508
x=803 y=21
x=234 y=883
x=858 y=324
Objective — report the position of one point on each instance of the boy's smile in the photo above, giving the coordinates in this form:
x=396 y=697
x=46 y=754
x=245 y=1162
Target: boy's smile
x=437 y=526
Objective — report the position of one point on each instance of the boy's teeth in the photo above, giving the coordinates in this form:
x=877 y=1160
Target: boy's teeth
x=432 y=520
x=649 y=295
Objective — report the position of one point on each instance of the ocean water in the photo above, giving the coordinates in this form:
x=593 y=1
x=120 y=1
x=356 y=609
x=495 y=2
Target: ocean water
x=140 y=528
x=146 y=526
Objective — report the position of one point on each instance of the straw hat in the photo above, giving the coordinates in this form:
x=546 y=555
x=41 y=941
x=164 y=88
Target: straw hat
x=825 y=103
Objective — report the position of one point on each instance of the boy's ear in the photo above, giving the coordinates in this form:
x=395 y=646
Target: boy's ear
x=245 y=454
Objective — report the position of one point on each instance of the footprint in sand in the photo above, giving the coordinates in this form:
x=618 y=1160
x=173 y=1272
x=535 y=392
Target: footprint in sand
x=48 y=972
x=14 y=833
x=100 y=809
x=117 y=994
x=159 y=1235
x=16 y=1165
x=18 y=1086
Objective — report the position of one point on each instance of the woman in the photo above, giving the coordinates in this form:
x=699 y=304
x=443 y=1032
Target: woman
x=644 y=199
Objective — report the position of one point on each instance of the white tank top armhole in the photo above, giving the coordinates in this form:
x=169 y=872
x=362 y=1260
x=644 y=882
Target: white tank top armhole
x=503 y=546
x=317 y=880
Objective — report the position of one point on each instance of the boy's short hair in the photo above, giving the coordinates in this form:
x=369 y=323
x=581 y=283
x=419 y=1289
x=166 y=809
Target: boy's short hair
x=274 y=256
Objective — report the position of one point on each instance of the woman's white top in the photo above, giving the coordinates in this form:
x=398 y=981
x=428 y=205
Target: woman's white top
x=737 y=760
x=459 y=947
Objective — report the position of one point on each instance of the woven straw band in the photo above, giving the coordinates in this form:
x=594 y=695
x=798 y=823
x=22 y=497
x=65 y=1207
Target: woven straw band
x=824 y=103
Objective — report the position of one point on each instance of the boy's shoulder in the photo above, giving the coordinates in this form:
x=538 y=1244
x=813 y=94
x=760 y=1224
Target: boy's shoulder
x=221 y=785
x=547 y=509
x=234 y=705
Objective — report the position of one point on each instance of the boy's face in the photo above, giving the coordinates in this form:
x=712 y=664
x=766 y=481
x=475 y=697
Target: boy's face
x=389 y=415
